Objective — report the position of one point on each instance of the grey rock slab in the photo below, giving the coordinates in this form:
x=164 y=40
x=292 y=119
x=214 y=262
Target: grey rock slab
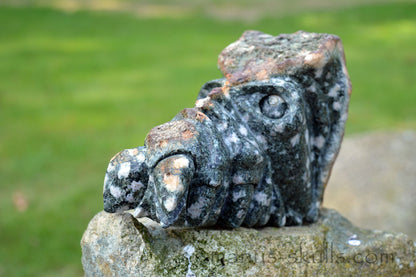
x=120 y=245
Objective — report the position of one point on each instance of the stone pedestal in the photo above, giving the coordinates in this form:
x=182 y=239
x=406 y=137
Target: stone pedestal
x=120 y=245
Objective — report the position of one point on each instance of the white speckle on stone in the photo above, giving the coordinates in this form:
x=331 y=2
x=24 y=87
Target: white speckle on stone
x=259 y=158
x=246 y=117
x=106 y=181
x=353 y=241
x=283 y=221
x=116 y=191
x=262 y=198
x=238 y=194
x=170 y=204
x=269 y=180
x=218 y=210
x=279 y=82
x=111 y=167
x=189 y=250
x=308 y=162
x=195 y=209
x=201 y=102
x=280 y=128
x=130 y=198
x=333 y=92
x=243 y=49
x=328 y=75
x=131 y=152
x=309 y=58
x=173 y=183
x=295 y=140
x=318 y=72
x=214 y=183
x=240 y=213
x=231 y=139
x=324 y=177
x=181 y=162
x=141 y=157
x=135 y=186
x=298 y=219
x=344 y=116
x=305 y=176
x=261 y=139
x=243 y=130
x=237 y=179
x=336 y=106
x=311 y=88
x=222 y=126
x=140 y=212
x=318 y=141
x=124 y=170
x=397 y=260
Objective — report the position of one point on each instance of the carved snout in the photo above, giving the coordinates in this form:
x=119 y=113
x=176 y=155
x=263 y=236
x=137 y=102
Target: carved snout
x=125 y=180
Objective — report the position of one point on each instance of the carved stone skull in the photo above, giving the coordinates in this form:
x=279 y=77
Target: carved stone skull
x=258 y=147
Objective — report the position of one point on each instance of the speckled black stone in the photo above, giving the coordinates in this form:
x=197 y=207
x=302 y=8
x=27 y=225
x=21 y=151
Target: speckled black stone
x=250 y=153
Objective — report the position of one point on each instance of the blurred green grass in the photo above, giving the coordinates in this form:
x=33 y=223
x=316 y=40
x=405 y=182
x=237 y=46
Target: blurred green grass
x=76 y=88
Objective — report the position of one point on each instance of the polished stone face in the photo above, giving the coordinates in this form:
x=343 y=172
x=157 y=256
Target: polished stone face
x=256 y=149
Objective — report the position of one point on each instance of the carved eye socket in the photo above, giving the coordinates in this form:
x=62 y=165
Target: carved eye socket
x=273 y=106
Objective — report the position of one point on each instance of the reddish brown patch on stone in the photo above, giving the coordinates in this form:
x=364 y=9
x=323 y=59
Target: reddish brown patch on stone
x=172 y=182
x=122 y=156
x=186 y=135
x=135 y=151
x=163 y=135
x=112 y=160
x=201 y=117
x=163 y=143
x=258 y=56
x=216 y=94
x=194 y=114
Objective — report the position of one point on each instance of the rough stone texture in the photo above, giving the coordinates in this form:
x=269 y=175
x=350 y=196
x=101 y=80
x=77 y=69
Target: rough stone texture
x=120 y=245
x=256 y=150
x=373 y=182
x=259 y=56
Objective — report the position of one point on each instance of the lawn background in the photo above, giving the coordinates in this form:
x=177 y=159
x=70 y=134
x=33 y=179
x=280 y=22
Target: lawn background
x=77 y=87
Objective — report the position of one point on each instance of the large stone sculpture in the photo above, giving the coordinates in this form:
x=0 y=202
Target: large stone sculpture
x=258 y=147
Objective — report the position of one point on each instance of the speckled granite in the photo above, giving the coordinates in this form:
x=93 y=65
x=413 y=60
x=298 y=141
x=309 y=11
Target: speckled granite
x=256 y=150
